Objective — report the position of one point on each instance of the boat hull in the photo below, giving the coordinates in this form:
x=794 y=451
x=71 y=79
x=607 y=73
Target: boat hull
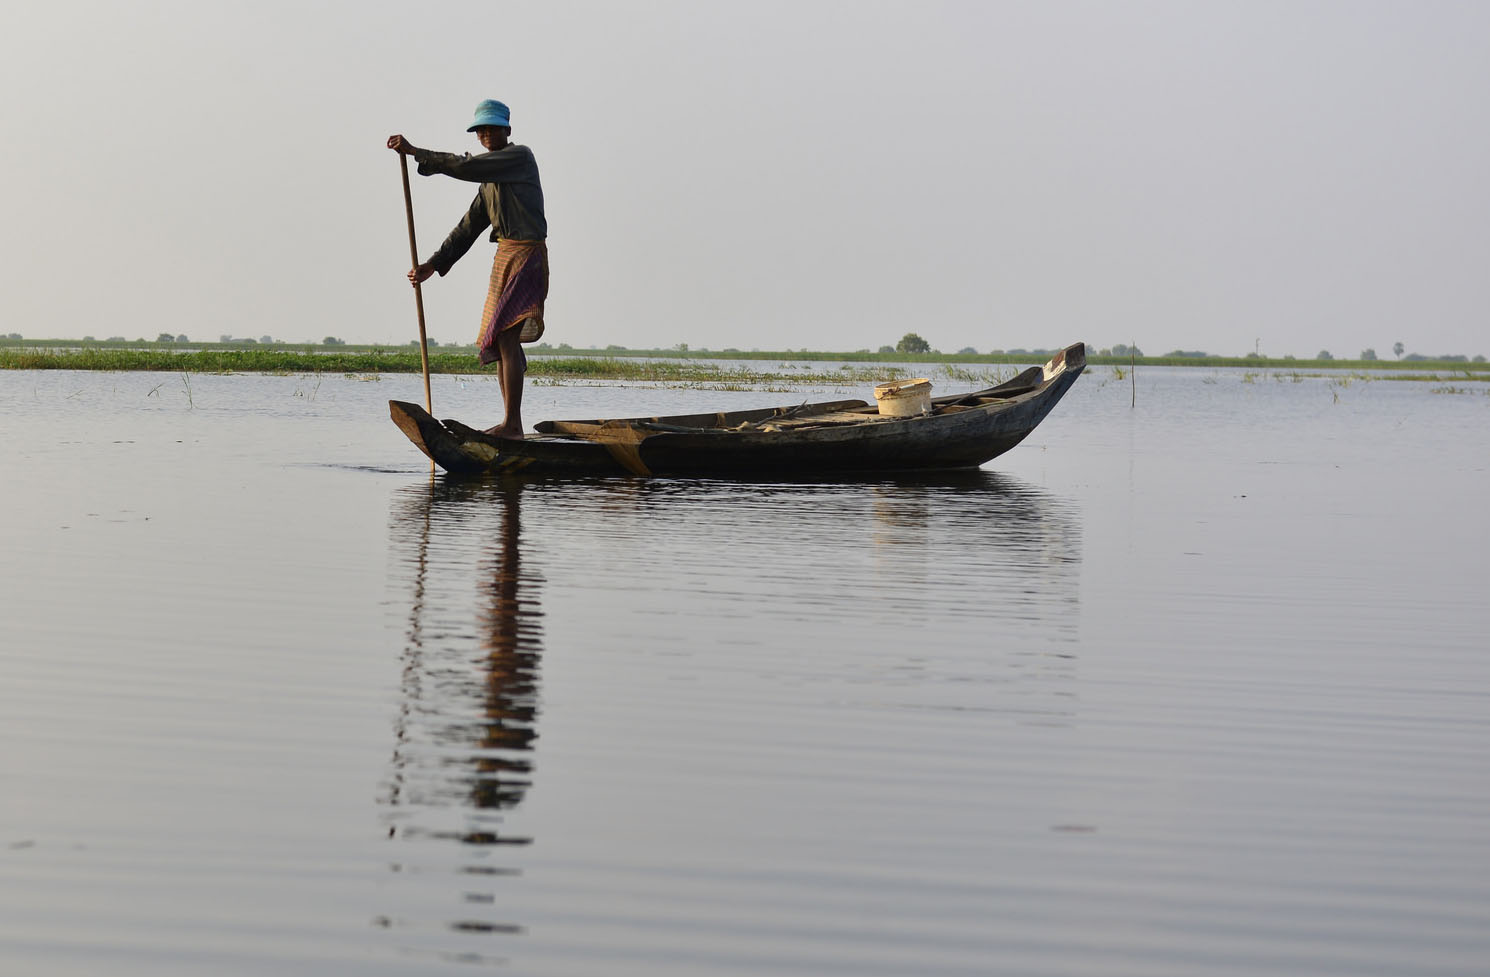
x=963 y=431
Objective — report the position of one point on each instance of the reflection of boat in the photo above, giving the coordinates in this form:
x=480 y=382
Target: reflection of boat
x=959 y=431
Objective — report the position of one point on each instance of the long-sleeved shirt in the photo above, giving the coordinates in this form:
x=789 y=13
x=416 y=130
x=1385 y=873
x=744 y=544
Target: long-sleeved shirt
x=510 y=200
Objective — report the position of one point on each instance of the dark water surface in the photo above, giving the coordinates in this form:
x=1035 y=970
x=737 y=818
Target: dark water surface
x=1195 y=688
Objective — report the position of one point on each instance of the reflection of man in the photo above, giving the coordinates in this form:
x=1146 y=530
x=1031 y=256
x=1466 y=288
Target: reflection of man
x=465 y=733
x=510 y=201
x=512 y=644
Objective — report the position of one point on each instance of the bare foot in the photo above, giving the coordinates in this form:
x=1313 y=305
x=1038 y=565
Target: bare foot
x=504 y=431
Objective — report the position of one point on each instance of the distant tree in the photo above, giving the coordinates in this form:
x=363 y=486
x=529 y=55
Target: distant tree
x=967 y=349
x=1121 y=349
x=332 y=341
x=681 y=347
x=249 y=341
x=1323 y=354
x=1368 y=354
x=911 y=343
x=225 y=339
x=1398 y=348
x=182 y=338
x=887 y=349
x=267 y=340
x=165 y=337
x=117 y=339
x=14 y=335
x=613 y=347
x=1479 y=358
x=1414 y=357
x=89 y=339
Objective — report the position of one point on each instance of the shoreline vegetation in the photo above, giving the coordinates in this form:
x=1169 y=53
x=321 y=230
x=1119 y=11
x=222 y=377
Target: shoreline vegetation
x=677 y=365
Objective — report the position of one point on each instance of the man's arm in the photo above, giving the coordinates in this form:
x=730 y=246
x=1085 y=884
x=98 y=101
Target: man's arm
x=514 y=164
x=459 y=241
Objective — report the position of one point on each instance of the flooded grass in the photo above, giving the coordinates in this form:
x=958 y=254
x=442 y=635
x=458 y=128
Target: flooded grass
x=984 y=377
x=670 y=368
x=372 y=361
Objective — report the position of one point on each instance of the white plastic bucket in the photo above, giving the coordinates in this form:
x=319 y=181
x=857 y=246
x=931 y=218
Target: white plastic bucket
x=904 y=398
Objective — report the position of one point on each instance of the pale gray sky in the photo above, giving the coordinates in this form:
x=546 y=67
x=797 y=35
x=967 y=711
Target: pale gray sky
x=1301 y=175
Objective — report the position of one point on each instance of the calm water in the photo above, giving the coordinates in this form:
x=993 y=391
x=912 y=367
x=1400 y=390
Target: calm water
x=1195 y=688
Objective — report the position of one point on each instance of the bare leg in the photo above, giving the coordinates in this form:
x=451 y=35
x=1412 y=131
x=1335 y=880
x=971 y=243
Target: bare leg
x=510 y=379
x=501 y=384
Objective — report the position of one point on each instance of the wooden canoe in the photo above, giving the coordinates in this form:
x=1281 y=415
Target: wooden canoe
x=847 y=436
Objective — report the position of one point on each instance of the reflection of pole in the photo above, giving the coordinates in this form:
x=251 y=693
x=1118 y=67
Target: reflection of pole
x=413 y=659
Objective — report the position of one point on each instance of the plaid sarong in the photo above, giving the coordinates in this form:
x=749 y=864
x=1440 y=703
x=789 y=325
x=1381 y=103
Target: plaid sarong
x=519 y=284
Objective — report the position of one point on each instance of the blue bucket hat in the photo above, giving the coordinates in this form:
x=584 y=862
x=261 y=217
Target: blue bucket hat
x=491 y=113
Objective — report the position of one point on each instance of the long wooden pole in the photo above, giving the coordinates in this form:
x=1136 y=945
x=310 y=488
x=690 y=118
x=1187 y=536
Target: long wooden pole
x=403 y=162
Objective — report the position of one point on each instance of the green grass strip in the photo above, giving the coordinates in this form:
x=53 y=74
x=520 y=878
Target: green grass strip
x=289 y=361
x=668 y=366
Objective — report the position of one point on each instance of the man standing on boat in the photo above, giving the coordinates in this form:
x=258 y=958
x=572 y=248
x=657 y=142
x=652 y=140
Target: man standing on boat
x=510 y=202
